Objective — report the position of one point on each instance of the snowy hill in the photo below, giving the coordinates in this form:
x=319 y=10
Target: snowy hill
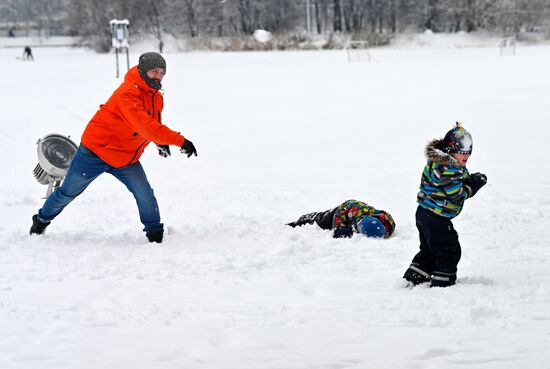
x=279 y=135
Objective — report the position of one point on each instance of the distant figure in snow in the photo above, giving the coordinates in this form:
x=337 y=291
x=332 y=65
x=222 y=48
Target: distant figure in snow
x=27 y=53
x=352 y=216
x=113 y=142
x=445 y=185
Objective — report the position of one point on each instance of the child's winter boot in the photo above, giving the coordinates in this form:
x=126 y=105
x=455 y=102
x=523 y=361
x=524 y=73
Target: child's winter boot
x=304 y=219
x=416 y=276
x=440 y=279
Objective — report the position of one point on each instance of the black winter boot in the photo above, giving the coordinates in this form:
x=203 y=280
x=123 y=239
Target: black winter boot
x=437 y=283
x=415 y=277
x=37 y=226
x=304 y=219
x=441 y=279
x=155 y=235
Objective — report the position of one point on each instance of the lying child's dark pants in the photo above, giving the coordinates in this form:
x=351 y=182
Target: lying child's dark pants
x=325 y=219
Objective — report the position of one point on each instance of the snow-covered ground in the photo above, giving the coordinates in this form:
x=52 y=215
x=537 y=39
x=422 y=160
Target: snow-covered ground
x=278 y=135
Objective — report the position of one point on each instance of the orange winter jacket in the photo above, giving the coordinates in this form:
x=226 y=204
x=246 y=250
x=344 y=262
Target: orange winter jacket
x=131 y=118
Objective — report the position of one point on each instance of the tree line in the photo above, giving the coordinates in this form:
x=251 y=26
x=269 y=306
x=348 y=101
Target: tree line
x=200 y=19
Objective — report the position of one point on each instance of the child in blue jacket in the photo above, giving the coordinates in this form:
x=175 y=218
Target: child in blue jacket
x=445 y=185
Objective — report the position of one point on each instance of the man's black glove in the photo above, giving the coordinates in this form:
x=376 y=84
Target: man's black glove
x=188 y=148
x=342 y=232
x=164 y=150
x=475 y=182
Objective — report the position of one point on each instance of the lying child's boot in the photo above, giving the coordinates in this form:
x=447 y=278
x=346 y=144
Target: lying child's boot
x=304 y=219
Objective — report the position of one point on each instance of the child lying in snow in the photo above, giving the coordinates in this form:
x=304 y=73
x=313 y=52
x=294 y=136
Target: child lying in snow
x=349 y=217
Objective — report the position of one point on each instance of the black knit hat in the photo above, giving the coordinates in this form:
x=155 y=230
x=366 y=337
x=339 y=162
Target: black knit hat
x=150 y=61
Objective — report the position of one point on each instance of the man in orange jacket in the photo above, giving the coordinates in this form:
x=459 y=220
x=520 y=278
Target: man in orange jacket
x=113 y=142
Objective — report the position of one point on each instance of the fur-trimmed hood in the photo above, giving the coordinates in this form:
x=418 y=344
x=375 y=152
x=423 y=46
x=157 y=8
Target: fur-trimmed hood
x=434 y=152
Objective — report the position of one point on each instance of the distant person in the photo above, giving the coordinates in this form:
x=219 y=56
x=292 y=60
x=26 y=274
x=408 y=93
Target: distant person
x=113 y=142
x=352 y=216
x=445 y=185
x=11 y=32
x=27 y=53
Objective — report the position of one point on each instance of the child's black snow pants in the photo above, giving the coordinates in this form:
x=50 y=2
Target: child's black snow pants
x=439 y=250
x=324 y=219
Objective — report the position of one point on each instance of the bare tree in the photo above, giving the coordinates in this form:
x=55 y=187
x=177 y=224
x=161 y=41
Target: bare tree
x=191 y=17
x=215 y=18
x=392 y=15
x=337 y=6
x=155 y=20
x=246 y=12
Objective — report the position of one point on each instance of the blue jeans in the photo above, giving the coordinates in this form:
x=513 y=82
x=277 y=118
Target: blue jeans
x=87 y=166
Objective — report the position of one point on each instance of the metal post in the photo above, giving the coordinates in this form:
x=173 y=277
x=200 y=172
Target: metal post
x=127 y=58
x=116 y=53
x=308 y=16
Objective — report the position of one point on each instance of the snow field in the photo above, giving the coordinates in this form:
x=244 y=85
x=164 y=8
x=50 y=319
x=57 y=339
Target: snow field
x=278 y=135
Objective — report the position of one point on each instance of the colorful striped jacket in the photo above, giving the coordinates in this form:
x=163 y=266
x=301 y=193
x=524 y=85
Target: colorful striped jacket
x=350 y=210
x=442 y=188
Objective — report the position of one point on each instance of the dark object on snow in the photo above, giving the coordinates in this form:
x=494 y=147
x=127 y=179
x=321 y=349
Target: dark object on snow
x=37 y=226
x=27 y=54
x=155 y=235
